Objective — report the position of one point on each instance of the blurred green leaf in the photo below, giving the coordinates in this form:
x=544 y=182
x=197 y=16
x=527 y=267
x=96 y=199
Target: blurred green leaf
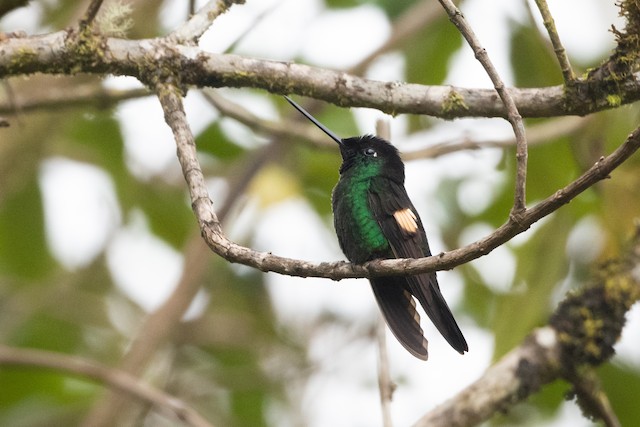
x=532 y=58
x=168 y=211
x=542 y=264
x=621 y=385
x=213 y=141
x=428 y=53
x=96 y=138
x=319 y=174
x=391 y=7
x=427 y=58
x=23 y=384
x=23 y=247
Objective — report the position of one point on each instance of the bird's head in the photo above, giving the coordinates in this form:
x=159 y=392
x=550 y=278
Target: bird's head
x=365 y=155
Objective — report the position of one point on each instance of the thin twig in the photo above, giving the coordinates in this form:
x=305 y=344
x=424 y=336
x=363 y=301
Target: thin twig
x=592 y=398
x=538 y=134
x=114 y=378
x=82 y=95
x=91 y=13
x=513 y=115
x=386 y=386
x=558 y=48
x=291 y=129
x=195 y=27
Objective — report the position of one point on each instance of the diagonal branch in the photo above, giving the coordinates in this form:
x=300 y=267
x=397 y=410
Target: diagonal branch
x=91 y=13
x=514 y=117
x=338 y=270
x=558 y=48
x=114 y=378
x=580 y=336
x=519 y=373
x=194 y=28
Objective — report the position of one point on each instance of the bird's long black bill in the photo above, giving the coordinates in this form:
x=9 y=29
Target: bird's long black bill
x=313 y=120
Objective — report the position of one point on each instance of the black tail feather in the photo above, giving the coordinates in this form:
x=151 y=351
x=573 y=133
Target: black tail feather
x=394 y=297
x=399 y=311
x=425 y=288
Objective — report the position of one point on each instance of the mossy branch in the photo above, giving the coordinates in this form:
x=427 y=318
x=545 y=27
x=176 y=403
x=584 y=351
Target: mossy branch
x=580 y=336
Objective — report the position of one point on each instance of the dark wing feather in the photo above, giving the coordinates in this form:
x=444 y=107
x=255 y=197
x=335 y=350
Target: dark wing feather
x=386 y=199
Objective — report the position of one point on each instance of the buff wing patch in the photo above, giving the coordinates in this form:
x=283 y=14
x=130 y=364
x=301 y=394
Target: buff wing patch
x=407 y=221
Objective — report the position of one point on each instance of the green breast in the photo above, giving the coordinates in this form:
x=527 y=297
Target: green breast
x=366 y=227
x=359 y=234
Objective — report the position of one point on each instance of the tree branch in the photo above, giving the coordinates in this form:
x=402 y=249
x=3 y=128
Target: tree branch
x=558 y=48
x=385 y=385
x=580 y=336
x=152 y=334
x=56 y=53
x=513 y=378
x=89 y=95
x=194 y=28
x=220 y=244
x=537 y=134
x=117 y=379
x=91 y=13
x=513 y=116
x=160 y=325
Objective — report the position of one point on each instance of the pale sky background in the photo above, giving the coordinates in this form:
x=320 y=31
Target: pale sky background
x=83 y=215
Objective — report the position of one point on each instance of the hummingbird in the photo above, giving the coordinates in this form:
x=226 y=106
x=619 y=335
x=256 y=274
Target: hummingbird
x=375 y=219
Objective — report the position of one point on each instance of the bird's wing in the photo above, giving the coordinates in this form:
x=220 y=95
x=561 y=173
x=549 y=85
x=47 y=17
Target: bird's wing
x=401 y=225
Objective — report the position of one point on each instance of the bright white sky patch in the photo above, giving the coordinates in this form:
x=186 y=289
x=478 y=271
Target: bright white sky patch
x=144 y=267
x=341 y=38
x=81 y=210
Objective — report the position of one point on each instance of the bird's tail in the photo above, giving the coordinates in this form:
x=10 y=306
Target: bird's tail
x=399 y=311
x=425 y=288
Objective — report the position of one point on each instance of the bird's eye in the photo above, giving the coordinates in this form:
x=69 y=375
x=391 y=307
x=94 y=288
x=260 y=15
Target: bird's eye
x=370 y=152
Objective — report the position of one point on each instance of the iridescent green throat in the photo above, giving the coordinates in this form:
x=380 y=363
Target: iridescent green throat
x=366 y=228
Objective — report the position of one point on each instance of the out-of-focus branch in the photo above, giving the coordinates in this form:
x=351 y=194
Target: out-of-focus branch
x=159 y=326
x=409 y=23
x=113 y=378
x=592 y=400
x=291 y=129
x=580 y=336
x=386 y=386
x=86 y=95
x=537 y=134
x=518 y=374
